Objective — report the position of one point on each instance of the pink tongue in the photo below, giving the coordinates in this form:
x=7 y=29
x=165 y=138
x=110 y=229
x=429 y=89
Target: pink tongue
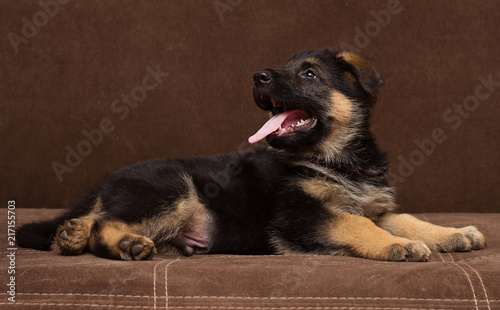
x=270 y=126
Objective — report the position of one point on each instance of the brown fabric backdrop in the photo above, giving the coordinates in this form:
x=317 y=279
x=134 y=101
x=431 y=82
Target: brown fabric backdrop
x=66 y=67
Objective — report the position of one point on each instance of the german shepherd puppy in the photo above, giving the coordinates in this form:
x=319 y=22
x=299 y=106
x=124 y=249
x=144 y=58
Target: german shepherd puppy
x=320 y=187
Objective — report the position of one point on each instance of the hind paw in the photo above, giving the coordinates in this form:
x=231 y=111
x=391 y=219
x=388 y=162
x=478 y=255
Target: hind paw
x=136 y=247
x=72 y=237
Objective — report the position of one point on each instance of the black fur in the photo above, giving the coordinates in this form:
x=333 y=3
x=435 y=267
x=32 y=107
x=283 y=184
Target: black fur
x=254 y=196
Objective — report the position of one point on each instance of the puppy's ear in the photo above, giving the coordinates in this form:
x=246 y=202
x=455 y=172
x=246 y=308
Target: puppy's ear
x=365 y=70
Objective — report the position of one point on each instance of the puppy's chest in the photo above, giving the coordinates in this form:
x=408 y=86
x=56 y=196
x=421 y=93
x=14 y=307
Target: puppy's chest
x=361 y=199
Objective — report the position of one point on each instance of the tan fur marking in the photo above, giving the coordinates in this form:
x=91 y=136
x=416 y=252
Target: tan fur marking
x=110 y=235
x=113 y=233
x=361 y=64
x=97 y=207
x=350 y=57
x=280 y=246
x=436 y=237
x=77 y=232
x=171 y=222
x=342 y=107
x=358 y=61
x=369 y=201
x=312 y=60
x=344 y=127
x=167 y=248
x=369 y=241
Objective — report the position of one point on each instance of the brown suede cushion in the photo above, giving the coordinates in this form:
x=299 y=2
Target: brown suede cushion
x=77 y=76
x=47 y=280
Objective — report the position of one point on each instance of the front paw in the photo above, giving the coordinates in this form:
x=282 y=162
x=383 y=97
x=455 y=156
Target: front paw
x=413 y=251
x=463 y=240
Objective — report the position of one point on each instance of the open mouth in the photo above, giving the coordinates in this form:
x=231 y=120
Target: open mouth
x=284 y=122
x=269 y=104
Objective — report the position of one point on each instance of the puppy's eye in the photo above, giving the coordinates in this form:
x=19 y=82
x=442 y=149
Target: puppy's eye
x=309 y=74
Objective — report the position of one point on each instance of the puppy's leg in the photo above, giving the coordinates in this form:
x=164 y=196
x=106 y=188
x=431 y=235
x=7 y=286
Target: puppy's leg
x=72 y=237
x=119 y=240
x=436 y=237
x=359 y=236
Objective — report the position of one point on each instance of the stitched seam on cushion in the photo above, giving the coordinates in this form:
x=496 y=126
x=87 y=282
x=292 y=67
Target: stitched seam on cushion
x=326 y=298
x=166 y=280
x=308 y=308
x=258 y=298
x=468 y=279
x=195 y=307
x=482 y=284
x=154 y=283
x=72 y=304
x=442 y=257
x=220 y=307
x=82 y=294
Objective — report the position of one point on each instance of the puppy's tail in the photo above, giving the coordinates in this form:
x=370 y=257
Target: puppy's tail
x=39 y=235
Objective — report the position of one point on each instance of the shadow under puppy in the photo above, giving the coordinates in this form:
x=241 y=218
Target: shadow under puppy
x=320 y=187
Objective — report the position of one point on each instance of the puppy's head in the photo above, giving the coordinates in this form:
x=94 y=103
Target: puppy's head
x=317 y=99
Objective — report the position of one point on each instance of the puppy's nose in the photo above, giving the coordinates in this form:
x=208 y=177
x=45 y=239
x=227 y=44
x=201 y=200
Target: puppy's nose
x=262 y=77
